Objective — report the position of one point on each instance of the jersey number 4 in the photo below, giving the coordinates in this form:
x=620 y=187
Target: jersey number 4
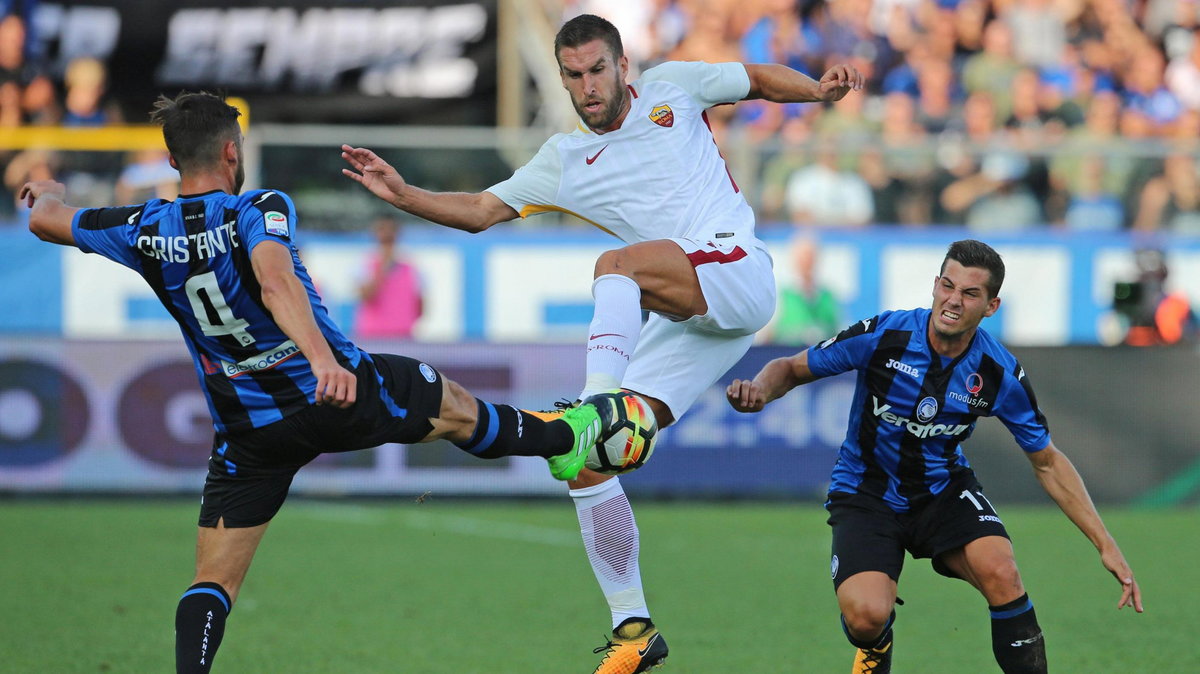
x=212 y=311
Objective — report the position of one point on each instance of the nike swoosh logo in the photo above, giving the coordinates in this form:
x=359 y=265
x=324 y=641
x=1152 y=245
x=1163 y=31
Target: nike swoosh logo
x=606 y=334
x=643 y=651
x=595 y=156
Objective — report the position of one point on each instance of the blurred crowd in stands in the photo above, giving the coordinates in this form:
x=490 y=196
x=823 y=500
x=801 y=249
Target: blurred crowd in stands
x=1000 y=114
x=997 y=114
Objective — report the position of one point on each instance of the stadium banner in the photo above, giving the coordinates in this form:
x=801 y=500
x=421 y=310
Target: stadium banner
x=88 y=416
x=364 y=61
x=98 y=417
x=516 y=286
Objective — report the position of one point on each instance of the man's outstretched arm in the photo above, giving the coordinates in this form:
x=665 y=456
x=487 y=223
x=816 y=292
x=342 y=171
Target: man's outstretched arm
x=780 y=84
x=50 y=219
x=470 y=212
x=1062 y=482
x=773 y=381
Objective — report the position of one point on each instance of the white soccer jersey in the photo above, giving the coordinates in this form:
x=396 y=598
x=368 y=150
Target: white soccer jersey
x=658 y=176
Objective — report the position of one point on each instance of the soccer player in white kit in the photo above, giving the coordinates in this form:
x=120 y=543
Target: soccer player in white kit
x=644 y=167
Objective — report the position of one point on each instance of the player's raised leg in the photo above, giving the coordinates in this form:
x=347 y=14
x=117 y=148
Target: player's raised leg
x=653 y=275
x=989 y=565
x=223 y=556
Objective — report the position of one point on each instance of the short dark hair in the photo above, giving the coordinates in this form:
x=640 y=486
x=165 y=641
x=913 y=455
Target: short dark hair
x=972 y=253
x=195 y=126
x=585 y=28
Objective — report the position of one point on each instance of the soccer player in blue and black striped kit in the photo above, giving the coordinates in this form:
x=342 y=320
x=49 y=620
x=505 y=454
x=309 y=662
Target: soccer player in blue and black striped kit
x=901 y=481
x=282 y=382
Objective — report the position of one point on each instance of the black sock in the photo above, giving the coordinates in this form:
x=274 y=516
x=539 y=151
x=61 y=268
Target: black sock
x=1017 y=639
x=879 y=643
x=199 y=626
x=503 y=430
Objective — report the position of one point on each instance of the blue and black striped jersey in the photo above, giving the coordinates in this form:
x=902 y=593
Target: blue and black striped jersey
x=195 y=253
x=913 y=408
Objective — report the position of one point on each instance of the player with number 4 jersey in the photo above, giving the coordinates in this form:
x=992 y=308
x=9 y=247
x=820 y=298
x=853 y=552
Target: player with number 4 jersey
x=283 y=383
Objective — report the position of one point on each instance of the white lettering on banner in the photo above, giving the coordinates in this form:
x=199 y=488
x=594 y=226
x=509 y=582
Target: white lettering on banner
x=77 y=32
x=813 y=415
x=919 y=430
x=400 y=51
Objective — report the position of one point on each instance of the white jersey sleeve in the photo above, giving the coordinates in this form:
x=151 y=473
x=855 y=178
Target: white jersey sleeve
x=536 y=183
x=708 y=83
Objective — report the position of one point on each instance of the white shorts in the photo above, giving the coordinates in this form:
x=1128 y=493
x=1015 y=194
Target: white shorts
x=676 y=361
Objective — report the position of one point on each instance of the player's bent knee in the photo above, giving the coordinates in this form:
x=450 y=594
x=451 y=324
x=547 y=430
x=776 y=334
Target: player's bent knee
x=866 y=618
x=1000 y=581
x=614 y=262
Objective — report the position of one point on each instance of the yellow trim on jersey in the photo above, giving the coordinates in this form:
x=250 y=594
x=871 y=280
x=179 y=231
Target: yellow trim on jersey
x=534 y=209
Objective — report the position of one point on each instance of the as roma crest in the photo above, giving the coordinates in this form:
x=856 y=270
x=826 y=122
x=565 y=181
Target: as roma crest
x=662 y=115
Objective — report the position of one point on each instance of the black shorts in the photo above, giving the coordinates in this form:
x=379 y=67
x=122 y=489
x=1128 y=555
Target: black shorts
x=249 y=473
x=869 y=536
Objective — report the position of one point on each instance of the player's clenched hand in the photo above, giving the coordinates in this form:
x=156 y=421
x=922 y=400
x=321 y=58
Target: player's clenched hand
x=838 y=81
x=373 y=173
x=745 y=396
x=1131 y=594
x=32 y=190
x=336 y=385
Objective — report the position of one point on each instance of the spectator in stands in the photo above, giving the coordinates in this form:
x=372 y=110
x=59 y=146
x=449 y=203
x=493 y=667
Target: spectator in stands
x=147 y=175
x=825 y=195
x=1146 y=92
x=887 y=191
x=937 y=89
x=1098 y=132
x=979 y=120
x=1039 y=29
x=846 y=122
x=1183 y=75
x=390 y=293
x=970 y=19
x=993 y=69
x=909 y=159
x=1056 y=92
x=86 y=82
x=808 y=310
x=1171 y=201
x=995 y=198
x=777 y=171
x=902 y=77
x=25 y=95
x=1093 y=206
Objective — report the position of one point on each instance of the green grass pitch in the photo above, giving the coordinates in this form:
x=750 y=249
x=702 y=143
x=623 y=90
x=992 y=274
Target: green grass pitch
x=463 y=587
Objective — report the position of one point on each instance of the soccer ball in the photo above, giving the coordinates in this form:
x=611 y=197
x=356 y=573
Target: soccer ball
x=628 y=432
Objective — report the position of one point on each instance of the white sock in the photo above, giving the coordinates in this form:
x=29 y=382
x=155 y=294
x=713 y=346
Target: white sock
x=610 y=536
x=616 y=325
